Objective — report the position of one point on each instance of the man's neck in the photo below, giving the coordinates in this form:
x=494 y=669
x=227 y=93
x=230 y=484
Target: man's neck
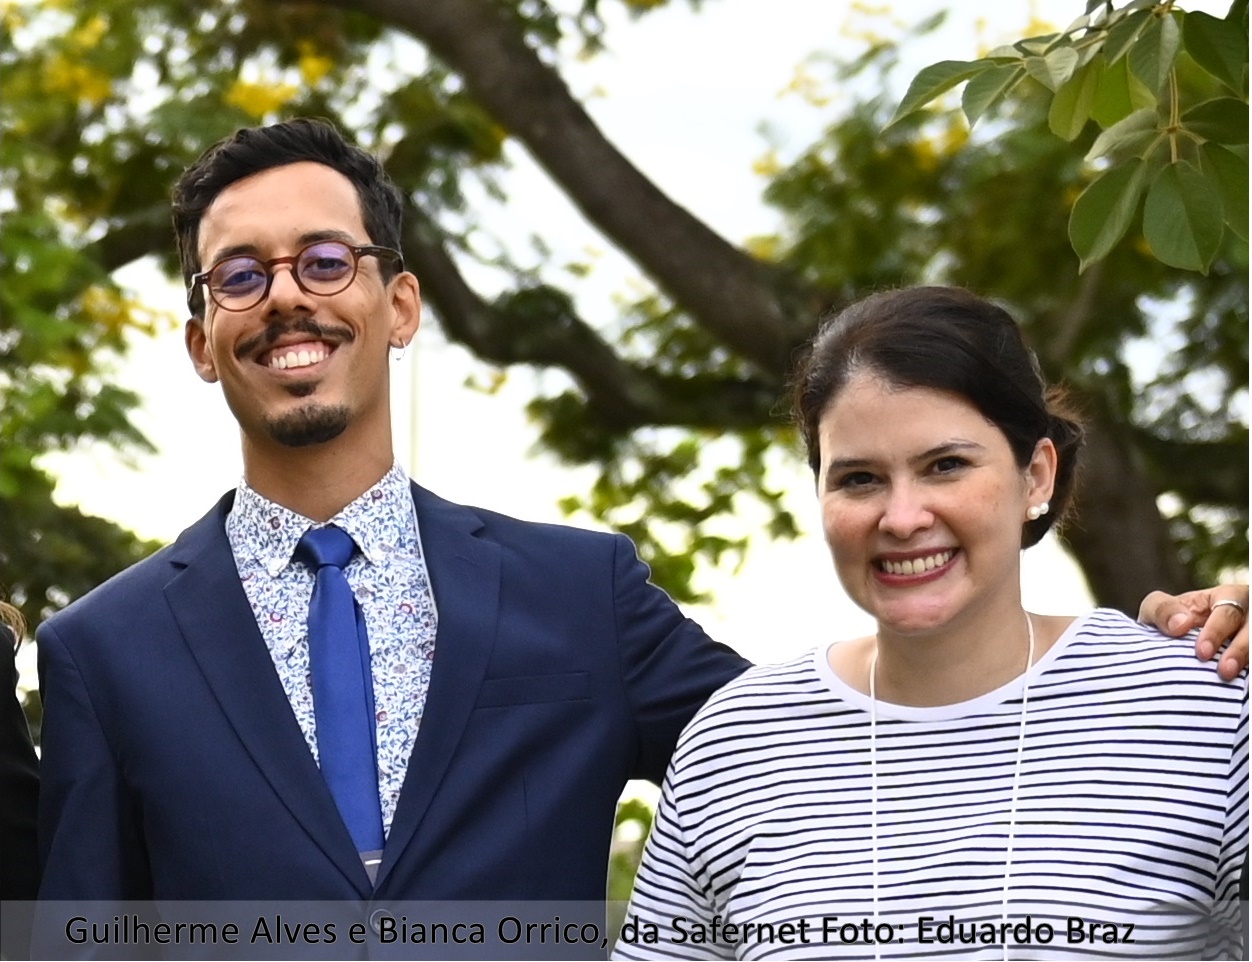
x=317 y=481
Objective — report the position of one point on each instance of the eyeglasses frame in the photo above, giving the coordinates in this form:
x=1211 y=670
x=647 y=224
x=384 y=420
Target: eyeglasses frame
x=358 y=251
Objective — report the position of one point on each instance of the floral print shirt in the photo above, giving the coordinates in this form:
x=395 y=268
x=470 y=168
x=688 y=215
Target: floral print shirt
x=389 y=578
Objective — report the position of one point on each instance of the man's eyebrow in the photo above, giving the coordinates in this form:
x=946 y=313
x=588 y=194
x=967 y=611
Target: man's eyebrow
x=233 y=251
x=312 y=237
x=304 y=240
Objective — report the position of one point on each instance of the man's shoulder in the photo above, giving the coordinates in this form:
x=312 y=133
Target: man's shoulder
x=503 y=528
x=133 y=587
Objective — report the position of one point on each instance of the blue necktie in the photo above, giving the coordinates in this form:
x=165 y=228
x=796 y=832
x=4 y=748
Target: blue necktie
x=342 y=686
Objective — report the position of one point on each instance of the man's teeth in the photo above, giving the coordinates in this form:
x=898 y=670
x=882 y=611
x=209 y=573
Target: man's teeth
x=916 y=566
x=301 y=358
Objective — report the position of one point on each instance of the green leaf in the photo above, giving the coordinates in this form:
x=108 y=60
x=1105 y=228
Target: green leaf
x=1229 y=173
x=1103 y=212
x=1080 y=23
x=1182 y=217
x=1127 y=136
x=1223 y=119
x=989 y=88
x=1123 y=34
x=1054 y=68
x=1005 y=52
x=1152 y=57
x=1119 y=94
x=934 y=80
x=1036 y=46
x=1071 y=107
x=1217 y=46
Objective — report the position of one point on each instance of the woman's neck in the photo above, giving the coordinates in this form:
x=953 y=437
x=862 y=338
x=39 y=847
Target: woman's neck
x=954 y=666
x=958 y=662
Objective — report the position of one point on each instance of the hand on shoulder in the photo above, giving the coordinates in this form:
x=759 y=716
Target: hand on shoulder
x=1221 y=615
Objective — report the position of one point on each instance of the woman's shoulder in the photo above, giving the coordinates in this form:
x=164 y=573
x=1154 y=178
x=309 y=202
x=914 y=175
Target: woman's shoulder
x=762 y=702
x=1109 y=643
x=796 y=676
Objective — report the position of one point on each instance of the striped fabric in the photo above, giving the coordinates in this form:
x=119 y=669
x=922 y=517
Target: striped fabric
x=1131 y=829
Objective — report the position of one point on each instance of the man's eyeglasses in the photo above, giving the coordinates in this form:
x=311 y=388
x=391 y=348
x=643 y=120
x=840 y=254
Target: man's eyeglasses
x=241 y=282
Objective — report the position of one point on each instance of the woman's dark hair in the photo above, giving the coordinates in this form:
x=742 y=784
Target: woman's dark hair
x=254 y=149
x=946 y=339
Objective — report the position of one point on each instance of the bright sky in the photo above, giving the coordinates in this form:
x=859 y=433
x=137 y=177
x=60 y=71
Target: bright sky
x=684 y=95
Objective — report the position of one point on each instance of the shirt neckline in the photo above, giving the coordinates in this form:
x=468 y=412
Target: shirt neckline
x=273 y=531
x=1009 y=691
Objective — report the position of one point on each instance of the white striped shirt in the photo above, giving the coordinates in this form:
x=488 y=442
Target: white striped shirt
x=1132 y=811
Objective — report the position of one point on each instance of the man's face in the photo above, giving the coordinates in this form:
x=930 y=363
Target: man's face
x=299 y=368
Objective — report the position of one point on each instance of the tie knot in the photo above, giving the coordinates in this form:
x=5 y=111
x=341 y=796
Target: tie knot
x=326 y=546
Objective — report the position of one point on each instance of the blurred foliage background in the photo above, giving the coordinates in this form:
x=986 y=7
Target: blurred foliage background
x=675 y=395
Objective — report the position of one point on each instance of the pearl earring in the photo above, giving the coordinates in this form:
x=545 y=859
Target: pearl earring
x=1037 y=511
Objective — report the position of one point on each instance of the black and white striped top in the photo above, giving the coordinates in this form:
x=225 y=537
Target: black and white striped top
x=1132 y=811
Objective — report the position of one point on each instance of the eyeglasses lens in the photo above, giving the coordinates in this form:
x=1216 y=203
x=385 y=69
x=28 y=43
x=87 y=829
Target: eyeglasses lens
x=323 y=268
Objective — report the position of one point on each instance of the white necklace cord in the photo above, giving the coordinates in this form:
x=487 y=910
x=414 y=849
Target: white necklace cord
x=873 y=790
x=1017 y=780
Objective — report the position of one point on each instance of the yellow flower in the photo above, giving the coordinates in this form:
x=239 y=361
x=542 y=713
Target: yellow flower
x=116 y=311
x=313 y=65
x=78 y=80
x=88 y=35
x=259 y=99
x=764 y=247
x=767 y=166
x=11 y=16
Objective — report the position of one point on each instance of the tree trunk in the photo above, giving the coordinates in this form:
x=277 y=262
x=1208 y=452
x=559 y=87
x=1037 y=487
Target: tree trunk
x=1117 y=533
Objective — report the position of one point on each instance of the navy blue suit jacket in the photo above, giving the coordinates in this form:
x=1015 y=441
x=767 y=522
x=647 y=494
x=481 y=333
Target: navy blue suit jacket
x=173 y=767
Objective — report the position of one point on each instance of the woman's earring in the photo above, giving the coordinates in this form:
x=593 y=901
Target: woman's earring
x=1037 y=511
x=397 y=350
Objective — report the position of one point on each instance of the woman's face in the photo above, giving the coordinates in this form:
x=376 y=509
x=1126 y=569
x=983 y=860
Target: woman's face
x=923 y=505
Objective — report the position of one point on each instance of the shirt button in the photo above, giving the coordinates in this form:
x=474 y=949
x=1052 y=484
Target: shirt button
x=382 y=716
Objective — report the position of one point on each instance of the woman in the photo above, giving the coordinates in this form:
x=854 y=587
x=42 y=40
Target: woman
x=972 y=780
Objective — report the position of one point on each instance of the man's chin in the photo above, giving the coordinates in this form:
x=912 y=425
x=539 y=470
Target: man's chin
x=315 y=424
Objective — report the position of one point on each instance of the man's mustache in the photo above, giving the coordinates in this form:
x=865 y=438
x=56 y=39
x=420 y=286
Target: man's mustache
x=302 y=325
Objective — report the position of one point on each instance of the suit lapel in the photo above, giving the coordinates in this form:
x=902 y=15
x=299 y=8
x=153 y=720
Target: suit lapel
x=218 y=626
x=465 y=578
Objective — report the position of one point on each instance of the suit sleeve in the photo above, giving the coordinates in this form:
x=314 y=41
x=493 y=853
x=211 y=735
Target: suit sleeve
x=90 y=836
x=669 y=665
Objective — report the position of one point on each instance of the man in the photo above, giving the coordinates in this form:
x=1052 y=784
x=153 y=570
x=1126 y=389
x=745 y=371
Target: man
x=180 y=736
x=517 y=674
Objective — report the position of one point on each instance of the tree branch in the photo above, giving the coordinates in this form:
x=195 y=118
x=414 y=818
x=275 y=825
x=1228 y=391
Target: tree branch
x=746 y=304
x=540 y=326
x=145 y=232
x=1200 y=472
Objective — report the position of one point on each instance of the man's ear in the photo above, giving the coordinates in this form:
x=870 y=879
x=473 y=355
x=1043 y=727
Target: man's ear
x=197 y=341
x=406 y=308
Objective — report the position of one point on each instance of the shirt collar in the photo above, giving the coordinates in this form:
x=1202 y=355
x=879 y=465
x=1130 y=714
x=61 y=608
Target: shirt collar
x=380 y=521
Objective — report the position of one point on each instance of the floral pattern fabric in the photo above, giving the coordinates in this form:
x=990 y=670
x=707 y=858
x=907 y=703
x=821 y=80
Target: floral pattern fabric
x=389 y=578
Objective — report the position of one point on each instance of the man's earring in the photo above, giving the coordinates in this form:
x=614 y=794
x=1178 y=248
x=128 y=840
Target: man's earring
x=1037 y=511
x=397 y=350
